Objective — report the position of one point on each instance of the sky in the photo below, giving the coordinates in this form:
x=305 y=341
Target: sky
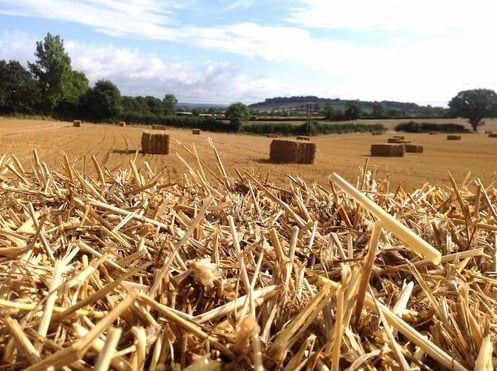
x=226 y=51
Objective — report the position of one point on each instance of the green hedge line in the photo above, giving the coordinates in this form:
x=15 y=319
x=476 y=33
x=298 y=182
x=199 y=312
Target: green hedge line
x=426 y=127
x=203 y=123
x=315 y=128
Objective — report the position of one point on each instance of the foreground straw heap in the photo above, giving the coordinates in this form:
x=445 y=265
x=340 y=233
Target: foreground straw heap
x=128 y=271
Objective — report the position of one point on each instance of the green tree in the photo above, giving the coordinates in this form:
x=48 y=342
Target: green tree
x=18 y=91
x=353 y=111
x=330 y=112
x=474 y=104
x=170 y=103
x=77 y=87
x=52 y=69
x=237 y=113
x=103 y=102
x=379 y=110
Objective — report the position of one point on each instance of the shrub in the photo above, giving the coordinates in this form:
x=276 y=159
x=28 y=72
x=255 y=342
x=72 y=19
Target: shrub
x=426 y=127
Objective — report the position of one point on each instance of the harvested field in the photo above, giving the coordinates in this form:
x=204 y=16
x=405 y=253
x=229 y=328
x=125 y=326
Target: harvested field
x=114 y=146
x=126 y=270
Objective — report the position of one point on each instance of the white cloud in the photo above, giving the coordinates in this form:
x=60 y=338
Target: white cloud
x=417 y=17
x=137 y=73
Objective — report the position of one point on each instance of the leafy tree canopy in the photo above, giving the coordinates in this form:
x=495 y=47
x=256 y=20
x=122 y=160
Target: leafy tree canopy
x=52 y=69
x=18 y=91
x=104 y=101
x=170 y=103
x=474 y=104
x=353 y=110
x=237 y=112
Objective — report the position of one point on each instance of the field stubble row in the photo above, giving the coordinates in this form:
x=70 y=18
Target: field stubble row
x=113 y=147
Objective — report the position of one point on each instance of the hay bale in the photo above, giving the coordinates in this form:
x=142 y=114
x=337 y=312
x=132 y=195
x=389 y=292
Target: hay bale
x=401 y=137
x=288 y=151
x=122 y=123
x=453 y=137
x=272 y=135
x=303 y=137
x=388 y=150
x=76 y=123
x=376 y=133
x=196 y=131
x=393 y=140
x=154 y=143
x=492 y=135
x=413 y=148
x=159 y=127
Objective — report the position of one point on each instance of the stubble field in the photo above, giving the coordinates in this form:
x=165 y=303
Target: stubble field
x=113 y=147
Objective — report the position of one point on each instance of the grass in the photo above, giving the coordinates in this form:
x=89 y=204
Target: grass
x=114 y=146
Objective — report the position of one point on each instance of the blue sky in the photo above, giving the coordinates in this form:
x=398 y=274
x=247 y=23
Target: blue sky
x=225 y=51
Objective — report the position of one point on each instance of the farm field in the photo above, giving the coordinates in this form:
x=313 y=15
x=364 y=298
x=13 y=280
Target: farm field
x=113 y=147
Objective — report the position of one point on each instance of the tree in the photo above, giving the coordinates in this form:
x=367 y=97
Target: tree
x=353 y=110
x=70 y=105
x=52 y=69
x=103 y=102
x=18 y=90
x=474 y=104
x=379 y=110
x=170 y=103
x=237 y=112
x=332 y=113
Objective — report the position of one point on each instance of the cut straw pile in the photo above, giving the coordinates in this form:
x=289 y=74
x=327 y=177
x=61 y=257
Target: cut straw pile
x=129 y=271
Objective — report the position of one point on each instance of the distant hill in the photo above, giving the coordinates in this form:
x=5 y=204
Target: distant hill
x=299 y=103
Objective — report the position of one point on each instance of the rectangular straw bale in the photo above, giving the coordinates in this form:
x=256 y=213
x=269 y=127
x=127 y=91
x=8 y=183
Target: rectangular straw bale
x=414 y=148
x=272 y=135
x=453 y=137
x=376 y=133
x=393 y=140
x=387 y=150
x=303 y=137
x=287 y=151
x=159 y=127
x=122 y=123
x=492 y=135
x=76 y=123
x=196 y=131
x=399 y=137
x=153 y=143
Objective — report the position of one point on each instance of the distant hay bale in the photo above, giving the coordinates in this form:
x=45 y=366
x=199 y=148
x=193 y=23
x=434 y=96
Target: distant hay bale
x=159 y=127
x=401 y=137
x=272 y=135
x=388 y=150
x=492 y=135
x=413 y=148
x=393 y=140
x=376 y=133
x=303 y=137
x=196 y=131
x=153 y=143
x=288 y=151
x=76 y=123
x=453 y=137
x=122 y=123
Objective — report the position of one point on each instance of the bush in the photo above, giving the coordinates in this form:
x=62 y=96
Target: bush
x=315 y=128
x=425 y=127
